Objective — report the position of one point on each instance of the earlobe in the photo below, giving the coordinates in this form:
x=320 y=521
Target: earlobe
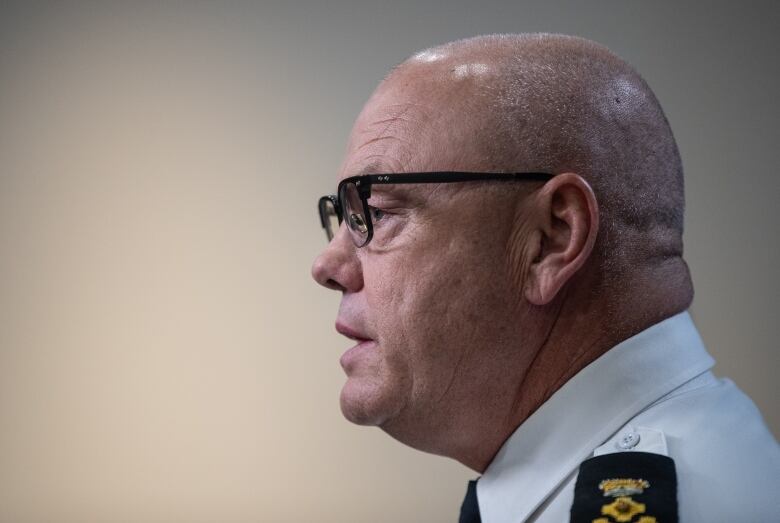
x=567 y=225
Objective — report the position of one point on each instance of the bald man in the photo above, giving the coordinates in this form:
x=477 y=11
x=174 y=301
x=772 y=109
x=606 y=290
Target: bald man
x=507 y=240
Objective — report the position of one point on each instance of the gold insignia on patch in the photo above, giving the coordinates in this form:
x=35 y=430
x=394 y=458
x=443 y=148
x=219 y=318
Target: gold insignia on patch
x=623 y=509
x=623 y=486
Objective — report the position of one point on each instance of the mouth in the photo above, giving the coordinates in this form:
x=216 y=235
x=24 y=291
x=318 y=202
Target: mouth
x=362 y=349
x=352 y=334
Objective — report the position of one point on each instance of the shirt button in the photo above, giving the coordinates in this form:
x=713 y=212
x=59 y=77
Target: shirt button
x=628 y=441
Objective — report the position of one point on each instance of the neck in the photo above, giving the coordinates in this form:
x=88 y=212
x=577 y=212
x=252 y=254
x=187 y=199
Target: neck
x=580 y=329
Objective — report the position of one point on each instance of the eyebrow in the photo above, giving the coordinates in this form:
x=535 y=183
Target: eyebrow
x=371 y=168
x=392 y=191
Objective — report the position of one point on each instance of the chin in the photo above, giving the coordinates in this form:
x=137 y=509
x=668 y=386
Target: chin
x=367 y=403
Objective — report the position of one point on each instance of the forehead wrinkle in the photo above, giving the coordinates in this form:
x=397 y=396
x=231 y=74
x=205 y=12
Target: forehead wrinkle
x=408 y=112
x=384 y=134
x=408 y=105
x=381 y=138
x=391 y=120
x=389 y=143
x=395 y=118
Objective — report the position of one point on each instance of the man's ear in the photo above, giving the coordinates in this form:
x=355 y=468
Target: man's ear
x=566 y=219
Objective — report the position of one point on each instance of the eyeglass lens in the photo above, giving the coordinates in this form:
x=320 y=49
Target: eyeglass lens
x=357 y=222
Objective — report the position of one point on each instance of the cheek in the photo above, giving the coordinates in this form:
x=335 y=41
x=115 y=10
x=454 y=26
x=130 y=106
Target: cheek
x=436 y=300
x=389 y=295
x=400 y=296
x=427 y=314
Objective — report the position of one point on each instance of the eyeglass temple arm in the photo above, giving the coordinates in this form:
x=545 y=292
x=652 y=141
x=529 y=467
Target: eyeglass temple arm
x=336 y=207
x=450 y=176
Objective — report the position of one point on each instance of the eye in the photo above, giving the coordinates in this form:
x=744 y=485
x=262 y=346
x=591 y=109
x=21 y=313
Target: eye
x=376 y=214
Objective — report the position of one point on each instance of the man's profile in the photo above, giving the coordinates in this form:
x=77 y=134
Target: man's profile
x=507 y=239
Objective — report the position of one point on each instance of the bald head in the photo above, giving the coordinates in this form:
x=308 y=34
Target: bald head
x=557 y=103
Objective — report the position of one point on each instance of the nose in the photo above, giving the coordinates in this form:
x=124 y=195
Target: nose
x=337 y=267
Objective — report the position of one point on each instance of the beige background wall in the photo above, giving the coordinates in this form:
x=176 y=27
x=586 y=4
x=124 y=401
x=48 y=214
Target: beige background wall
x=164 y=355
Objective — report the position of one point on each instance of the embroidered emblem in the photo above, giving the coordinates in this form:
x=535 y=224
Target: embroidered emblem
x=643 y=519
x=623 y=509
x=623 y=487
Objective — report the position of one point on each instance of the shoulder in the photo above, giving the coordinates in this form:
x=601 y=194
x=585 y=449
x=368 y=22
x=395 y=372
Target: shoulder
x=727 y=461
x=714 y=425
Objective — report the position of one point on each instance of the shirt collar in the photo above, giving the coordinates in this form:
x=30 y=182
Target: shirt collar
x=585 y=412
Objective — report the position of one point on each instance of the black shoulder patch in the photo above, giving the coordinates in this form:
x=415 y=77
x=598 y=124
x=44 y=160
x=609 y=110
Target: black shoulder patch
x=626 y=487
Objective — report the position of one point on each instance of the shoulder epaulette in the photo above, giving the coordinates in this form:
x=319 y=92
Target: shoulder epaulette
x=626 y=487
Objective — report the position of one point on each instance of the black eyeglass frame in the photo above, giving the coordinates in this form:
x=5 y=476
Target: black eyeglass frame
x=364 y=182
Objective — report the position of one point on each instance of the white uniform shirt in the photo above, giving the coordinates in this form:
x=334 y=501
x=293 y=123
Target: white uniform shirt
x=651 y=393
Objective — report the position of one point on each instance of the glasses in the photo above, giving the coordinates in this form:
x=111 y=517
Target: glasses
x=351 y=200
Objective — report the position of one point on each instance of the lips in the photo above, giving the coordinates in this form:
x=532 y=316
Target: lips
x=361 y=351
x=352 y=333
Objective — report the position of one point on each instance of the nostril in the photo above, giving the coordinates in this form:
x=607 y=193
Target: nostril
x=320 y=273
x=333 y=284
